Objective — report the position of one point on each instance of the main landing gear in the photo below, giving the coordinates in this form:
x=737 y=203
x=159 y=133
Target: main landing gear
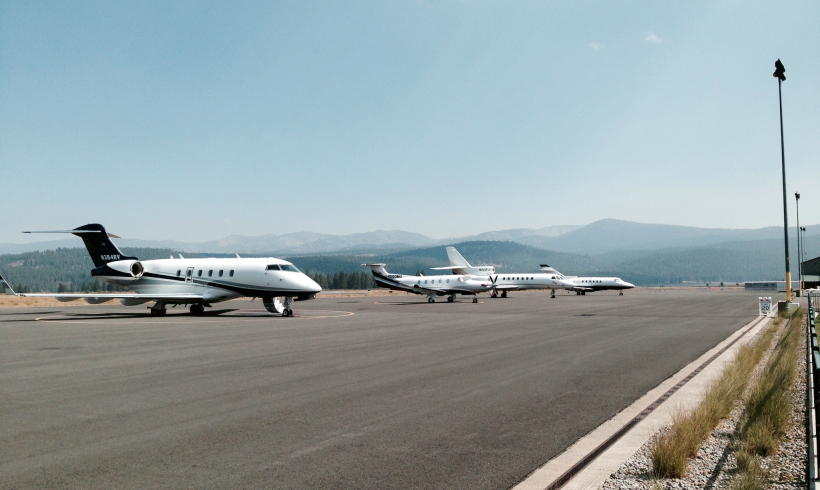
x=620 y=293
x=431 y=299
x=503 y=294
x=451 y=298
x=494 y=294
x=158 y=309
x=197 y=309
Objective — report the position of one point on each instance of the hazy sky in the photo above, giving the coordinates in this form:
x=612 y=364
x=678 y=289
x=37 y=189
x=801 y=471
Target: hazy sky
x=196 y=120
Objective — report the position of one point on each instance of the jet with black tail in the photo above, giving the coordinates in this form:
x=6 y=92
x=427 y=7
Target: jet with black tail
x=195 y=282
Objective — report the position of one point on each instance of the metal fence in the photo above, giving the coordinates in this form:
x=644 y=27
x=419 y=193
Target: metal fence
x=813 y=387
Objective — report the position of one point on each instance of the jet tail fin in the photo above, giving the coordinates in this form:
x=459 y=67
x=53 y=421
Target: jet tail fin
x=456 y=258
x=96 y=239
x=377 y=268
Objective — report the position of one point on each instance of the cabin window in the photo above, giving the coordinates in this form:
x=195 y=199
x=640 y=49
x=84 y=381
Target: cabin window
x=179 y=273
x=425 y=281
x=199 y=273
x=220 y=273
x=272 y=267
x=231 y=273
x=448 y=281
x=211 y=273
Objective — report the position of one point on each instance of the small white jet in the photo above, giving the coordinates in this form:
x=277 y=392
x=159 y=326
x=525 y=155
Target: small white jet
x=194 y=282
x=548 y=279
x=431 y=286
x=584 y=285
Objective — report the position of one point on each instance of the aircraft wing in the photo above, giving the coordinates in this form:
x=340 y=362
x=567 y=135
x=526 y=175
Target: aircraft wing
x=506 y=288
x=101 y=298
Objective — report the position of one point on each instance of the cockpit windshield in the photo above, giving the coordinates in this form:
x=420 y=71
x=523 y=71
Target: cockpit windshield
x=272 y=267
x=290 y=268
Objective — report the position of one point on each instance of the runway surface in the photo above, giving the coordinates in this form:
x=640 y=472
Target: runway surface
x=386 y=392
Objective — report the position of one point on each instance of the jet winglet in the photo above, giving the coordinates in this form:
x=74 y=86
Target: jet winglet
x=5 y=283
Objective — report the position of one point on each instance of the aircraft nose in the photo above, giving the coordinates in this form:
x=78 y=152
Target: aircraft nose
x=310 y=285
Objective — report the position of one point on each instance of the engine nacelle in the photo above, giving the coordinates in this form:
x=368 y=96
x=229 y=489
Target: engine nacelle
x=134 y=268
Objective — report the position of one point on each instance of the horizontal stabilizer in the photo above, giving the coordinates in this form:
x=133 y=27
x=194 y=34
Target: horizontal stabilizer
x=76 y=232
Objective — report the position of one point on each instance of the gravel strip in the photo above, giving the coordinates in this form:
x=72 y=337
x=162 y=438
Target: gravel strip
x=715 y=466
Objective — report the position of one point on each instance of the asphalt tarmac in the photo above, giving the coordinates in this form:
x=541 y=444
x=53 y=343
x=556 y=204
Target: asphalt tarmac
x=379 y=392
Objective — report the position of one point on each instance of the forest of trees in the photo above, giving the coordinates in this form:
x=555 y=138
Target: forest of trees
x=69 y=270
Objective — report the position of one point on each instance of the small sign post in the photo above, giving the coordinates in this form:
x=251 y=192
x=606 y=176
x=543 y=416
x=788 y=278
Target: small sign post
x=765 y=305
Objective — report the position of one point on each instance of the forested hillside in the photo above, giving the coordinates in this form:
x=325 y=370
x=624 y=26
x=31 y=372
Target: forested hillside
x=69 y=269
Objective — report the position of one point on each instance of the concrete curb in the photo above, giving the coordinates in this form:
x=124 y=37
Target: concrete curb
x=596 y=473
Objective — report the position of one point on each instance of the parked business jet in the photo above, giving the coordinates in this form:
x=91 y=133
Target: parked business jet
x=431 y=286
x=194 y=282
x=584 y=285
x=507 y=282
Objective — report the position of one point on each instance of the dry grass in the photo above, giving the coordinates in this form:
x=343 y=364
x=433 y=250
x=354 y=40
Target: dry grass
x=11 y=301
x=673 y=449
x=766 y=415
x=752 y=477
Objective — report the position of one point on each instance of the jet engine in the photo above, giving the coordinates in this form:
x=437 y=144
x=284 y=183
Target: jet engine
x=132 y=267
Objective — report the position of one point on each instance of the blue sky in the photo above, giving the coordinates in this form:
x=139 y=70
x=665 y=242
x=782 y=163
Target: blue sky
x=197 y=120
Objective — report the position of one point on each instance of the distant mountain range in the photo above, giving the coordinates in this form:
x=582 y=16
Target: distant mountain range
x=601 y=237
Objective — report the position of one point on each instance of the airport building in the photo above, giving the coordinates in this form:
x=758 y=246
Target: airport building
x=769 y=285
x=811 y=273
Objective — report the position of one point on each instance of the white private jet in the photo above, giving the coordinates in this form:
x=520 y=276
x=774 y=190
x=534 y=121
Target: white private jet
x=194 y=282
x=431 y=286
x=548 y=279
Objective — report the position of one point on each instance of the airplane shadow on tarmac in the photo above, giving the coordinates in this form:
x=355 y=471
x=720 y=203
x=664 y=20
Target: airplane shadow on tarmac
x=63 y=316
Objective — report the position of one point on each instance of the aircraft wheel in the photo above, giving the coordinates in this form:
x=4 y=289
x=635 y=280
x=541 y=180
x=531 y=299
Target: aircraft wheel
x=431 y=300
x=197 y=309
x=494 y=294
x=287 y=312
x=504 y=294
x=620 y=293
x=449 y=299
x=475 y=300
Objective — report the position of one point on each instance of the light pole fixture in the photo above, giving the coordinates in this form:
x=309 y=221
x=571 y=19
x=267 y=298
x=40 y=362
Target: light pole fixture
x=799 y=255
x=779 y=73
x=803 y=246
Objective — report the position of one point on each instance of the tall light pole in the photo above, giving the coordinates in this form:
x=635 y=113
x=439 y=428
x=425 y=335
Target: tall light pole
x=802 y=247
x=779 y=74
x=799 y=255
